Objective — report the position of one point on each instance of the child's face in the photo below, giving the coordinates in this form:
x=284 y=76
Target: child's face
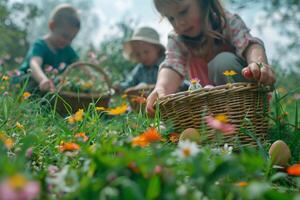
x=185 y=17
x=63 y=35
x=145 y=53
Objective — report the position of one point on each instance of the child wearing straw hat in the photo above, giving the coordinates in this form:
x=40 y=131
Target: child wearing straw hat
x=145 y=49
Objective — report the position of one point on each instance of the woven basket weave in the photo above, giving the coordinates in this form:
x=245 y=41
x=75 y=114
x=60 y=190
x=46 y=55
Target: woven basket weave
x=69 y=102
x=239 y=101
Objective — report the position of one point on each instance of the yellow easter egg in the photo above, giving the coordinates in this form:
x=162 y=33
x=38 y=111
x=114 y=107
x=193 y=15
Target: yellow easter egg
x=280 y=153
x=191 y=134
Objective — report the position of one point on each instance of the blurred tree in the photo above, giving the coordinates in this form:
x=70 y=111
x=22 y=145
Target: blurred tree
x=13 y=43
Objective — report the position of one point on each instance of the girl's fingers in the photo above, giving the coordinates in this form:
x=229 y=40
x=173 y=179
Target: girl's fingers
x=254 y=68
x=267 y=75
x=150 y=102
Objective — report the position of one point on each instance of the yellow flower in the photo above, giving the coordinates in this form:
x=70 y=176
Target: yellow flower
x=17 y=181
x=194 y=81
x=118 y=110
x=26 y=95
x=79 y=115
x=222 y=118
x=281 y=90
x=5 y=78
x=19 y=126
x=9 y=143
x=100 y=108
x=87 y=85
x=71 y=120
x=229 y=73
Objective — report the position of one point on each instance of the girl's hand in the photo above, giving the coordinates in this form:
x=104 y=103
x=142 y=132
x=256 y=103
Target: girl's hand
x=154 y=95
x=47 y=85
x=259 y=72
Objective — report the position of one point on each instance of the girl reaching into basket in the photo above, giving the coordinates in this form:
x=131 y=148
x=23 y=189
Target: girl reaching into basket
x=51 y=51
x=206 y=42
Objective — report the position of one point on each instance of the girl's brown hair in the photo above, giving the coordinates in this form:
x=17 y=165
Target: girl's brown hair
x=208 y=42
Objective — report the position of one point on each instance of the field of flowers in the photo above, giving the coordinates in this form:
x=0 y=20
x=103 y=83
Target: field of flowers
x=111 y=153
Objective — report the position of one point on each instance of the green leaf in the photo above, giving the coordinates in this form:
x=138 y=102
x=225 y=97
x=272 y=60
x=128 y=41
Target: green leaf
x=153 y=188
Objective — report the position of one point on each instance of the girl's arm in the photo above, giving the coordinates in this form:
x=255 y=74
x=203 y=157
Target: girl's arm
x=258 y=67
x=37 y=73
x=168 y=82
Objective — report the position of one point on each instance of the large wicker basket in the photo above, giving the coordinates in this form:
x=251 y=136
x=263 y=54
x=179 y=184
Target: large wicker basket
x=67 y=102
x=245 y=105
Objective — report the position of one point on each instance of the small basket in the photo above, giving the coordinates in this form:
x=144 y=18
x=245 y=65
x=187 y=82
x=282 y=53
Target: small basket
x=137 y=98
x=244 y=104
x=68 y=102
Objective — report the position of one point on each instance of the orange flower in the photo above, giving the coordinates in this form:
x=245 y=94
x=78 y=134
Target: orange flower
x=82 y=136
x=294 y=170
x=152 y=135
x=174 y=137
x=143 y=140
x=77 y=117
x=26 y=95
x=241 y=184
x=139 y=141
x=8 y=142
x=68 y=146
x=5 y=78
x=118 y=110
x=140 y=100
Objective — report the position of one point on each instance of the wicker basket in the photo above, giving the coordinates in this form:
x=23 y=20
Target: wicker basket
x=238 y=102
x=67 y=102
x=137 y=98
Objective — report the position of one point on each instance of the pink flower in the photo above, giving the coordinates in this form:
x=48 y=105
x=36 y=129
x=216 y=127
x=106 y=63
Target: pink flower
x=18 y=187
x=62 y=66
x=52 y=170
x=48 y=69
x=28 y=153
x=220 y=123
x=55 y=71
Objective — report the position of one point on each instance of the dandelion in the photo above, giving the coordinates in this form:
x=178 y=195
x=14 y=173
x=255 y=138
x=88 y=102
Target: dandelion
x=26 y=95
x=5 y=78
x=82 y=136
x=18 y=187
x=77 y=117
x=68 y=146
x=118 y=110
x=294 y=170
x=186 y=149
x=19 y=126
x=229 y=73
x=220 y=122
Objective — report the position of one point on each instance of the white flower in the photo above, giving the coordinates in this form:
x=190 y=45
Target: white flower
x=186 y=149
x=181 y=190
x=225 y=150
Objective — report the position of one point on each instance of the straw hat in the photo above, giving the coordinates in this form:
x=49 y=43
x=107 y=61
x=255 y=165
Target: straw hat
x=145 y=34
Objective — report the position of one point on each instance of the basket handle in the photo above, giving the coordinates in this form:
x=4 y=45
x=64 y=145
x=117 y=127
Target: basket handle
x=82 y=65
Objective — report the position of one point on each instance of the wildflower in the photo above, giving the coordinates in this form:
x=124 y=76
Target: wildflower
x=77 y=117
x=48 y=69
x=174 y=137
x=87 y=85
x=100 y=108
x=18 y=187
x=9 y=143
x=194 y=85
x=118 y=110
x=281 y=90
x=28 y=153
x=5 y=78
x=241 y=184
x=82 y=136
x=68 y=146
x=186 y=149
x=220 y=122
x=62 y=66
x=158 y=169
x=139 y=100
x=26 y=95
x=151 y=135
x=19 y=125
x=297 y=96
x=229 y=73
x=294 y=170
x=133 y=167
